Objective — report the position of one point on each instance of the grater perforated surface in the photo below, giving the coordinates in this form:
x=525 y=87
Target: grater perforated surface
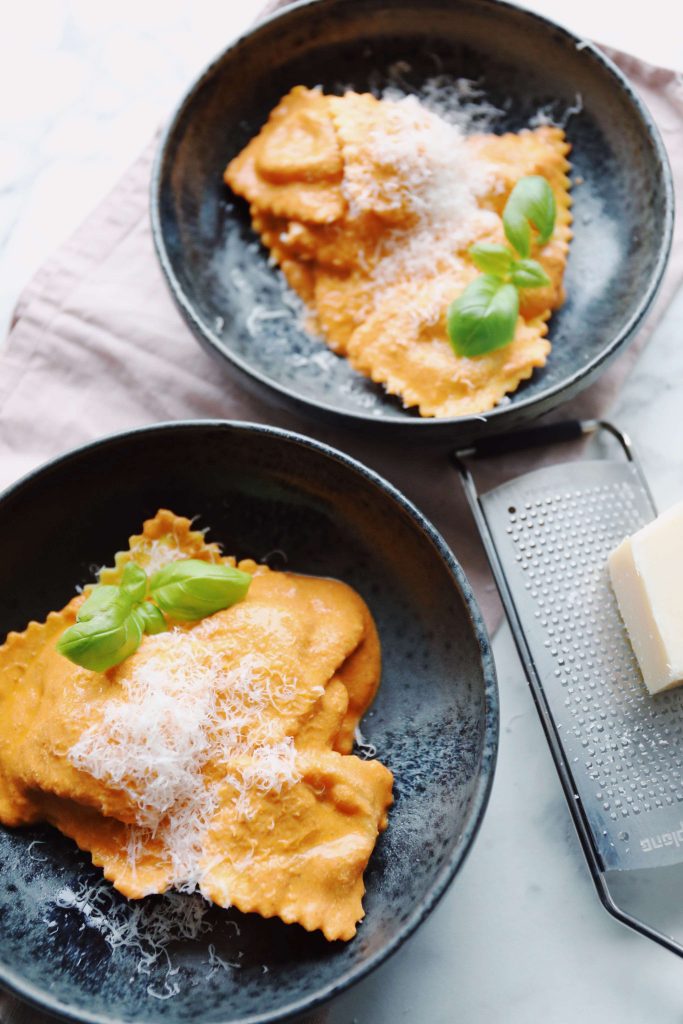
x=553 y=529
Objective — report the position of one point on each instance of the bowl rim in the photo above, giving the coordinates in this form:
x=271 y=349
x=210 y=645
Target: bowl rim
x=546 y=399
x=31 y=992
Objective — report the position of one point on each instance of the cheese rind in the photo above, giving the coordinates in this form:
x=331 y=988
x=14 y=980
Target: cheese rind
x=646 y=570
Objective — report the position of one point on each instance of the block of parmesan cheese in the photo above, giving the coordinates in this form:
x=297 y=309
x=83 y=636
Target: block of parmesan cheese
x=647 y=576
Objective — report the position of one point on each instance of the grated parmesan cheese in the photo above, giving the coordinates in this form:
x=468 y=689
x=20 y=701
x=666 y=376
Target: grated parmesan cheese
x=458 y=101
x=421 y=163
x=551 y=113
x=364 y=748
x=181 y=711
x=146 y=928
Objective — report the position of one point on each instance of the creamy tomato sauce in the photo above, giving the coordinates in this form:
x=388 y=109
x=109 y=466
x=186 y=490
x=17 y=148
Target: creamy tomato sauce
x=218 y=756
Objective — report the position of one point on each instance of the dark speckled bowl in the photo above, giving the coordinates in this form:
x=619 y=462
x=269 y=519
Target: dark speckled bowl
x=434 y=723
x=232 y=299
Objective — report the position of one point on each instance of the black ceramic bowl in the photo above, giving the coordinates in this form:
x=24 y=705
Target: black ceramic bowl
x=230 y=297
x=434 y=723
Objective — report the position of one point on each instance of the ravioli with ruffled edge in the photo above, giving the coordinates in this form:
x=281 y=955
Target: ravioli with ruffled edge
x=216 y=757
x=333 y=184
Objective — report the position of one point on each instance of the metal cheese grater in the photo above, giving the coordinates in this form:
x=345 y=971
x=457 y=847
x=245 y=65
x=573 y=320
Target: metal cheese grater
x=618 y=750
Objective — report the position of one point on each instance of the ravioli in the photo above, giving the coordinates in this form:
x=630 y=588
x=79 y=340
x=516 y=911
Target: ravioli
x=372 y=230
x=218 y=756
x=337 y=807
x=293 y=168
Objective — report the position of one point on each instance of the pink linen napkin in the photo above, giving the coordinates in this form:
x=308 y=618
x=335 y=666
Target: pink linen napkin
x=97 y=346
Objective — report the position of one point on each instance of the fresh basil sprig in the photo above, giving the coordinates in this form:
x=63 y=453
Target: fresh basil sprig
x=530 y=204
x=193 y=589
x=484 y=317
x=104 y=637
x=110 y=624
x=134 y=582
x=151 y=617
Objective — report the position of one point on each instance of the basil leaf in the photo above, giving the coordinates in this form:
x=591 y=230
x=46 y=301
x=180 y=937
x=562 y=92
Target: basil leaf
x=484 y=317
x=104 y=640
x=192 y=589
x=531 y=202
x=151 y=618
x=528 y=274
x=111 y=622
x=101 y=599
x=491 y=258
x=517 y=230
x=134 y=582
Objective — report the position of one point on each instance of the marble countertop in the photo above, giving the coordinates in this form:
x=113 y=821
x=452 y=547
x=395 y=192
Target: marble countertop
x=521 y=935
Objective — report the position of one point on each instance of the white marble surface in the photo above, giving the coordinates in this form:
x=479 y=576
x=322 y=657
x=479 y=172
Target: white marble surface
x=83 y=87
x=521 y=936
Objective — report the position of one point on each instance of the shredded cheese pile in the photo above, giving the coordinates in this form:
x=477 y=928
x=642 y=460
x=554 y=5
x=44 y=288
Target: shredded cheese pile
x=181 y=718
x=425 y=168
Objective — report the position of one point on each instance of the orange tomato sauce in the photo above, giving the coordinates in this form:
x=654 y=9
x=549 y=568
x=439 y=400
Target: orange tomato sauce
x=218 y=756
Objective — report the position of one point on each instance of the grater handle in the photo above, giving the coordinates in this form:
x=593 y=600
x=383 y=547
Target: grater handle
x=535 y=437
x=538 y=437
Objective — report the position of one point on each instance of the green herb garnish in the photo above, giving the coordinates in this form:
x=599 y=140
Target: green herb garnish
x=105 y=637
x=530 y=204
x=193 y=589
x=110 y=624
x=484 y=317
x=151 y=617
x=134 y=582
